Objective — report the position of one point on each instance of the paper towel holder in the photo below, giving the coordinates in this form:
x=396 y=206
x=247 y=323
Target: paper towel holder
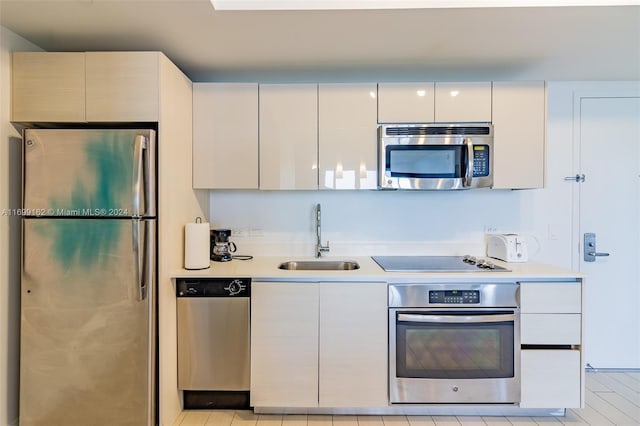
x=196 y=245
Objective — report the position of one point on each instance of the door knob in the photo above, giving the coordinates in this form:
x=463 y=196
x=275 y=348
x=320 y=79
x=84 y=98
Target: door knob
x=590 y=252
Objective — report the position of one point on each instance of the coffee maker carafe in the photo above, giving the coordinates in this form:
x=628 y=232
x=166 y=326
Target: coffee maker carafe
x=221 y=247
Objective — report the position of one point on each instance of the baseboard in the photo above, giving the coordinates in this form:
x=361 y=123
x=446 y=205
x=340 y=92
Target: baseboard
x=591 y=369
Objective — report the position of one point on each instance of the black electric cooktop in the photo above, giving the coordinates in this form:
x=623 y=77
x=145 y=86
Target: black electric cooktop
x=436 y=264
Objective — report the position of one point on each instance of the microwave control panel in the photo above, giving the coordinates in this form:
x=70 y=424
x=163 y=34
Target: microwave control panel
x=480 y=160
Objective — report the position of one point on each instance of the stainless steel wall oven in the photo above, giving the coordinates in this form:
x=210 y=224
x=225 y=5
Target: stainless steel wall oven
x=454 y=343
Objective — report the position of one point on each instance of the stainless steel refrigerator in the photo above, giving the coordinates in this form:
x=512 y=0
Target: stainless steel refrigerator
x=88 y=278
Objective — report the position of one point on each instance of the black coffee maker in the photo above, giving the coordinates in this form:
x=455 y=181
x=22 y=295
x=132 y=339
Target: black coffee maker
x=221 y=247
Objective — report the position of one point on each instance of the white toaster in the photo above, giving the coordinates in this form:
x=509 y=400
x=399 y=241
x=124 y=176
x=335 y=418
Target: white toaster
x=507 y=247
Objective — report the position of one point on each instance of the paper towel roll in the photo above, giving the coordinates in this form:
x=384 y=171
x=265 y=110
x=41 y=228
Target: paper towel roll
x=196 y=246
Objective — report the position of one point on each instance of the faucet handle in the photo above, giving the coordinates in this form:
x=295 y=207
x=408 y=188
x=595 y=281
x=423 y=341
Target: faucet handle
x=321 y=248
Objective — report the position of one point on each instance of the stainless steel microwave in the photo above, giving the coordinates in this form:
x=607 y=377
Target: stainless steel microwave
x=435 y=156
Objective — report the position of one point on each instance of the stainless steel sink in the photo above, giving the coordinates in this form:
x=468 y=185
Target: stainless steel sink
x=319 y=265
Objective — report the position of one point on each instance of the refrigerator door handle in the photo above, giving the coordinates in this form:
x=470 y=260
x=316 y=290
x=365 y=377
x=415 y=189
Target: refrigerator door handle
x=149 y=256
x=140 y=144
x=149 y=177
x=139 y=273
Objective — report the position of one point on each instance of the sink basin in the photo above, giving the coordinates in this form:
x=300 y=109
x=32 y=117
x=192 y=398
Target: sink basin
x=319 y=265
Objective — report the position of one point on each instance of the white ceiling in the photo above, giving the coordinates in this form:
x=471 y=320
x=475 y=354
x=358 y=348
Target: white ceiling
x=550 y=43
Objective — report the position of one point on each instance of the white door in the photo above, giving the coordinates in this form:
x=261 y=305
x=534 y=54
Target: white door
x=608 y=154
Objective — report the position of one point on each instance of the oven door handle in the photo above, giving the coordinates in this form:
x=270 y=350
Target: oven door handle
x=455 y=318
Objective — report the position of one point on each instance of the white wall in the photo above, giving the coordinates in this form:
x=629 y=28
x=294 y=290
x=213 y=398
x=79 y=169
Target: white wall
x=380 y=222
x=10 y=198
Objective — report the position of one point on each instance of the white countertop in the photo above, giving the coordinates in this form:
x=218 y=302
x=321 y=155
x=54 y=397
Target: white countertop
x=265 y=268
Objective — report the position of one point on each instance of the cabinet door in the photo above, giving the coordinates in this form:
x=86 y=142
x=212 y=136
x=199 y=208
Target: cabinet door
x=47 y=87
x=550 y=379
x=347 y=136
x=406 y=102
x=288 y=136
x=225 y=135
x=353 y=345
x=519 y=134
x=284 y=344
x=122 y=86
x=463 y=102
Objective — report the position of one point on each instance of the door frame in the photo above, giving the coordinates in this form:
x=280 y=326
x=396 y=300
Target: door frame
x=629 y=89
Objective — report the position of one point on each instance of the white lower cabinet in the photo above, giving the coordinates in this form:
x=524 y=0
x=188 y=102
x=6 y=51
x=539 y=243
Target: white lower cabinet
x=550 y=297
x=550 y=379
x=551 y=335
x=550 y=329
x=353 y=345
x=318 y=344
x=284 y=344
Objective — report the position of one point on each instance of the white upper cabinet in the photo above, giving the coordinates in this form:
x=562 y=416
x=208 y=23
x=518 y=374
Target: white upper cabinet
x=406 y=102
x=225 y=135
x=122 y=86
x=347 y=136
x=288 y=136
x=463 y=102
x=430 y=102
x=60 y=87
x=323 y=136
x=519 y=134
x=47 y=87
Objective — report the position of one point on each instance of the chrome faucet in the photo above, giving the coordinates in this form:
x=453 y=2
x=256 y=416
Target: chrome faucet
x=319 y=247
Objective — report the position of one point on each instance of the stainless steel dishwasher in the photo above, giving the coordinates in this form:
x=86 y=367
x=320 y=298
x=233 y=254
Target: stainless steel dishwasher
x=213 y=342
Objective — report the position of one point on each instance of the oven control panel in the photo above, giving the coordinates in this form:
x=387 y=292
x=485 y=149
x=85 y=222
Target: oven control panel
x=454 y=296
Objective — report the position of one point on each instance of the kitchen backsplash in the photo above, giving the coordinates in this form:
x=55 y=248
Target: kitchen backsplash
x=371 y=222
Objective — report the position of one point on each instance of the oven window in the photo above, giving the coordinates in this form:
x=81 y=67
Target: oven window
x=424 y=161
x=455 y=351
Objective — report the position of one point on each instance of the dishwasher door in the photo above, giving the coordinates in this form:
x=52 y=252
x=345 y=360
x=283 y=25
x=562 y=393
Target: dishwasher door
x=213 y=334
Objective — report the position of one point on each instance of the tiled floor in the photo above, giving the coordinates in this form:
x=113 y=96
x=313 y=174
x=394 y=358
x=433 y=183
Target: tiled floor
x=613 y=398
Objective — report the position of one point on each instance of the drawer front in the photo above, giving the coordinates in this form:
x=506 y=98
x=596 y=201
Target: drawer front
x=558 y=298
x=550 y=329
x=550 y=379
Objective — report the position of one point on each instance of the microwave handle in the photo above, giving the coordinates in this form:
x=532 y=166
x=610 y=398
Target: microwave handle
x=468 y=175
